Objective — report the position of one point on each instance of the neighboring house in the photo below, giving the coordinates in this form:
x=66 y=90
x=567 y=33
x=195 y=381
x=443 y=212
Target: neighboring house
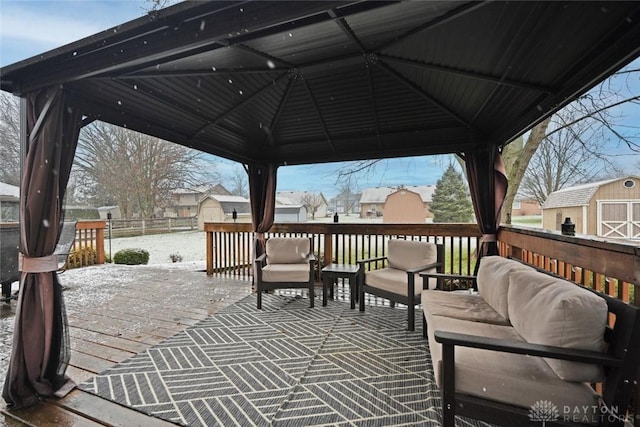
x=9 y=203
x=373 y=203
x=345 y=203
x=405 y=206
x=525 y=206
x=608 y=208
x=301 y=198
x=290 y=213
x=219 y=208
x=185 y=202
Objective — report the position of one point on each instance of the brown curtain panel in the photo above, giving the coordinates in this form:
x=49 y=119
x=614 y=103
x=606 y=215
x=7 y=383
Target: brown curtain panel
x=488 y=186
x=262 y=195
x=40 y=352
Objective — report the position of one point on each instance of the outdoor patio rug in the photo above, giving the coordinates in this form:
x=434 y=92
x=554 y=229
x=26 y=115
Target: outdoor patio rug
x=284 y=365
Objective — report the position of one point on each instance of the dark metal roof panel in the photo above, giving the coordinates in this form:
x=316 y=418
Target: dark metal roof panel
x=301 y=82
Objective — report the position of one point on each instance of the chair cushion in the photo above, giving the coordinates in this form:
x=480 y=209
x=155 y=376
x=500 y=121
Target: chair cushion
x=286 y=272
x=408 y=254
x=392 y=280
x=552 y=311
x=460 y=305
x=504 y=377
x=287 y=250
x=493 y=281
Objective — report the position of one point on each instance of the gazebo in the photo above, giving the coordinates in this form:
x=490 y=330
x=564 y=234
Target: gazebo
x=269 y=83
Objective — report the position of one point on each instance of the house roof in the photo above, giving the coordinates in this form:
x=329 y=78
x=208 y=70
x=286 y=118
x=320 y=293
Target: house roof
x=229 y=203
x=380 y=194
x=578 y=195
x=9 y=190
x=294 y=197
x=294 y=82
x=203 y=189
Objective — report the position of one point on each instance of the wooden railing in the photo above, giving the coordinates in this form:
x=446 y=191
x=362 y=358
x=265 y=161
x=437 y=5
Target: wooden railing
x=88 y=247
x=606 y=265
x=230 y=246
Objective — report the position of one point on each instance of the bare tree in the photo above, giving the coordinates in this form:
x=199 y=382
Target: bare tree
x=135 y=171
x=9 y=139
x=587 y=124
x=239 y=182
x=312 y=202
x=152 y=5
x=348 y=197
x=573 y=154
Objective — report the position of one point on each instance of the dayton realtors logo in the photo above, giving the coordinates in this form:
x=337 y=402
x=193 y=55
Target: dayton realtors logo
x=544 y=411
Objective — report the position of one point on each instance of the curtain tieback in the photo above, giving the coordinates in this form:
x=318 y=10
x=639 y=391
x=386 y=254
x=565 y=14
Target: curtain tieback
x=489 y=238
x=43 y=264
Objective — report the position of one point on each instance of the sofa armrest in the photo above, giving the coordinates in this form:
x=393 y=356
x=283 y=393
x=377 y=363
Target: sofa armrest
x=366 y=260
x=451 y=339
x=520 y=347
x=362 y=262
x=442 y=276
x=423 y=267
x=261 y=259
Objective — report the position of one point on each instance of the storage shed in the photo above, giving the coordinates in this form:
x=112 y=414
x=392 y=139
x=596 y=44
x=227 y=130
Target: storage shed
x=608 y=208
x=219 y=208
x=290 y=213
x=408 y=205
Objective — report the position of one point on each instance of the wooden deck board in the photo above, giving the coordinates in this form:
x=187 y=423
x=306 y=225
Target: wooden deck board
x=116 y=327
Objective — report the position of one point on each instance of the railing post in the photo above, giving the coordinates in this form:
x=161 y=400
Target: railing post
x=209 y=253
x=328 y=249
x=100 y=245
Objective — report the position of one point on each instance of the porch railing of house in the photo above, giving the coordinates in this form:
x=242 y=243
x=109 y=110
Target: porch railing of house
x=606 y=265
x=88 y=247
x=609 y=266
x=230 y=246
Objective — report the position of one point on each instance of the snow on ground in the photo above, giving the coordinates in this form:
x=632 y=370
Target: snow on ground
x=190 y=245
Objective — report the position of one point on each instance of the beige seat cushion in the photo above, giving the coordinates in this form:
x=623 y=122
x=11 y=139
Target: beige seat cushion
x=493 y=281
x=509 y=378
x=286 y=273
x=396 y=281
x=460 y=305
x=409 y=254
x=287 y=250
x=551 y=311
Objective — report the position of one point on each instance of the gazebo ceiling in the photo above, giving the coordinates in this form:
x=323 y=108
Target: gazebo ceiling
x=317 y=81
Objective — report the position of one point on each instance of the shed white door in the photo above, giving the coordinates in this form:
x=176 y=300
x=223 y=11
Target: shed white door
x=619 y=219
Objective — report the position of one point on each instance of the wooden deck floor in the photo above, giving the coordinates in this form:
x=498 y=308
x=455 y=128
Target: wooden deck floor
x=115 y=312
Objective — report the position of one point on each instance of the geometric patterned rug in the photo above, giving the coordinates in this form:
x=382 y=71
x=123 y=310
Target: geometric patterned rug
x=284 y=365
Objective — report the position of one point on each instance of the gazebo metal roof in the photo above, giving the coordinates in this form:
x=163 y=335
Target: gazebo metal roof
x=316 y=81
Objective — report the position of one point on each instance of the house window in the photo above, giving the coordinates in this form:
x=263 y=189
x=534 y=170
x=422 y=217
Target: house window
x=516 y=204
x=629 y=183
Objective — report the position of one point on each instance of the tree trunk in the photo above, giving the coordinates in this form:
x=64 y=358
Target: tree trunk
x=517 y=159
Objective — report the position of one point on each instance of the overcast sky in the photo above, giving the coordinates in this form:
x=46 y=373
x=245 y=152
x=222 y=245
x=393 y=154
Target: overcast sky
x=28 y=28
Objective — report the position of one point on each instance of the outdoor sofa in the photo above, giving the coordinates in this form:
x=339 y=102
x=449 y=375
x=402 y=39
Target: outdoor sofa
x=528 y=347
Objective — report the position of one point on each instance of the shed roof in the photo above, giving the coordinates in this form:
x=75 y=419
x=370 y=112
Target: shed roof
x=578 y=195
x=317 y=81
x=380 y=194
x=9 y=190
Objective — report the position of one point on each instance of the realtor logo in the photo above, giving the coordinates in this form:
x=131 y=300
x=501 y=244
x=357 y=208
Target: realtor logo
x=544 y=411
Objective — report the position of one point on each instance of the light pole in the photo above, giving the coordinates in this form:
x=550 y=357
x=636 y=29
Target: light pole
x=109 y=218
